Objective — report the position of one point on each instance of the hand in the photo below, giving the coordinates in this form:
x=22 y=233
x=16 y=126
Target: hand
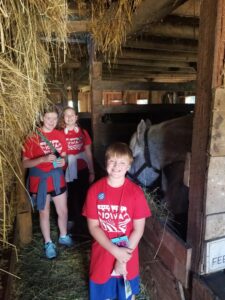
x=48 y=158
x=120 y=269
x=60 y=162
x=122 y=254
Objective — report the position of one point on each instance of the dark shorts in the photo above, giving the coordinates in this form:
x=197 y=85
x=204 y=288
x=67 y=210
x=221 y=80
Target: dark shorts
x=113 y=289
x=53 y=193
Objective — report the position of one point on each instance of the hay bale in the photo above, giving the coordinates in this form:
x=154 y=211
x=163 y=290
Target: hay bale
x=26 y=29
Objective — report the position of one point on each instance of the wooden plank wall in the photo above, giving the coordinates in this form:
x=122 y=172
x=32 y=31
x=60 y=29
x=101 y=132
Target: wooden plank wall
x=203 y=108
x=207 y=189
x=165 y=261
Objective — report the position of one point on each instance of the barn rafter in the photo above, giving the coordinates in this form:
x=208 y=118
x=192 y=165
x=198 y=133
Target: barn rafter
x=161 y=40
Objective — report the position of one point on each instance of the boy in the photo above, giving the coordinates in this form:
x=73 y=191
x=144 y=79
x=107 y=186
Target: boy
x=116 y=210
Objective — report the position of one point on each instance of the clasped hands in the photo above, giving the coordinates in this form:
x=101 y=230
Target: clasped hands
x=123 y=255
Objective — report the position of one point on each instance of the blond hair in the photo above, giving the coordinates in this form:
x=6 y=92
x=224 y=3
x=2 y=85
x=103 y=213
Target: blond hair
x=119 y=149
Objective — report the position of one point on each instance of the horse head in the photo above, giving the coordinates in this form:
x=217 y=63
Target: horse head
x=142 y=171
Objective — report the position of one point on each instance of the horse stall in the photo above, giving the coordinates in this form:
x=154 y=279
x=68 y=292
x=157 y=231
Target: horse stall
x=174 y=268
x=165 y=252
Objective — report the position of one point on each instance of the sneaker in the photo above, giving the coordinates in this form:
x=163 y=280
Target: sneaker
x=50 y=250
x=66 y=241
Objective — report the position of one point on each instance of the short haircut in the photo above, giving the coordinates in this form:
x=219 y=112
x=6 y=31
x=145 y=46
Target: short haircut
x=51 y=108
x=119 y=149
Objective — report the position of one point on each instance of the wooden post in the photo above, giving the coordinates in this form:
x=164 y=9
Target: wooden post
x=24 y=219
x=204 y=167
x=96 y=107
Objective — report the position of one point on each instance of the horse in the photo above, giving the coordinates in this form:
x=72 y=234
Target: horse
x=159 y=153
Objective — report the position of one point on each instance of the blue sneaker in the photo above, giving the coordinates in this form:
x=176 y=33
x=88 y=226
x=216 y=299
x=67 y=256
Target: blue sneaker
x=66 y=241
x=50 y=250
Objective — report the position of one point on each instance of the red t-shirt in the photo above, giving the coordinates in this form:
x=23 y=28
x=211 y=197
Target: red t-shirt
x=115 y=208
x=76 y=142
x=34 y=147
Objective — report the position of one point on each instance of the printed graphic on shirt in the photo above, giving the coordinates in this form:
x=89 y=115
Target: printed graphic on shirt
x=74 y=143
x=46 y=149
x=113 y=218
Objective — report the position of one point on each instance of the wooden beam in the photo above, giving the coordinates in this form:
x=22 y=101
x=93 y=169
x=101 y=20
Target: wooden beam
x=78 y=26
x=189 y=8
x=183 y=19
x=163 y=77
x=150 y=11
x=147 y=86
x=71 y=65
x=150 y=76
x=148 y=69
x=149 y=63
x=173 y=31
x=171 y=45
x=153 y=108
x=24 y=218
x=158 y=55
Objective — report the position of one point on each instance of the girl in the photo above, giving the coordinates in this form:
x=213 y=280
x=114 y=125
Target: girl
x=80 y=169
x=44 y=154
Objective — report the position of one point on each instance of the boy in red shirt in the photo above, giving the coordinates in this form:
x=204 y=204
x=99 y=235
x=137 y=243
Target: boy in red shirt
x=116 y=209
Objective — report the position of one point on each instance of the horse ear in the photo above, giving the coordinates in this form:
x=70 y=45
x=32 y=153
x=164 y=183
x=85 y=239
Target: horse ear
x=148 y=123
x=141 y=130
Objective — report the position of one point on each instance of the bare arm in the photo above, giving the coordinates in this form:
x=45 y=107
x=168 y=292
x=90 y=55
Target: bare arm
x=88 y=153
x=121 y=254
x=29 y=163
x=138 y=230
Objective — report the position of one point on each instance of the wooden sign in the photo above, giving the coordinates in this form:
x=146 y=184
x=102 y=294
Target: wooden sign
x=215 y=255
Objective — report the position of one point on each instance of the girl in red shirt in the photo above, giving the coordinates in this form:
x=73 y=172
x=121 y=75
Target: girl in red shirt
x=80 y=169
x=44 y=155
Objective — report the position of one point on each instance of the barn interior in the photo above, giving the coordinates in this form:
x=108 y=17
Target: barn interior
x=158 y=54
x=116 y=62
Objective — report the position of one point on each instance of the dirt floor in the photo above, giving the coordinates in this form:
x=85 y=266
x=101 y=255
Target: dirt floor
x=64 y=278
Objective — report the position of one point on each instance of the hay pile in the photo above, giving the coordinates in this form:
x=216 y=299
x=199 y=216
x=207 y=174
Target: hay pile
x=110 y=21
x=65 y=277
x=33 y=33
x=26 y=27
x=158 y=207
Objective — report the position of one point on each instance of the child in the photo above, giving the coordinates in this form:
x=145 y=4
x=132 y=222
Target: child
x=44 y=154
x=116 y=210
x=80 y=169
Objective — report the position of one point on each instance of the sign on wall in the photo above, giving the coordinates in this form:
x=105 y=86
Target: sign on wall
x=215 y=255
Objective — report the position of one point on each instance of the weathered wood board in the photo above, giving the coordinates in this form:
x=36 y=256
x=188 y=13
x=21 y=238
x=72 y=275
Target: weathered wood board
x=217 y=142
x=24 y=218
x=200 y=291
x=172 y=251
x=155 y=276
